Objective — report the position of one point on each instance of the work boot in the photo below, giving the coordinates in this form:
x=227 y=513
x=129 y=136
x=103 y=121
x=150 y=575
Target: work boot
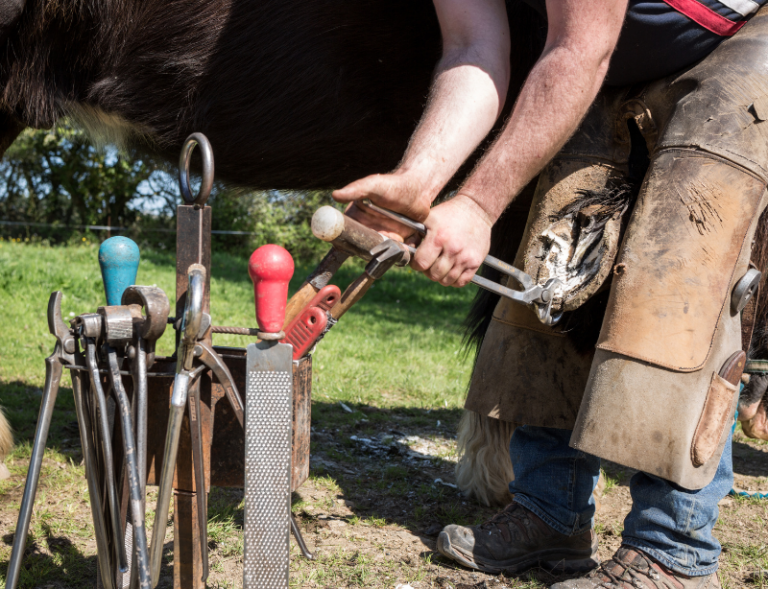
x=514 y=540
x=631 y=569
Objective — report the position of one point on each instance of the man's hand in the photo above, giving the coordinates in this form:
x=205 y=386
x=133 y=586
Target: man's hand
x=398 y=192
x=458 y=239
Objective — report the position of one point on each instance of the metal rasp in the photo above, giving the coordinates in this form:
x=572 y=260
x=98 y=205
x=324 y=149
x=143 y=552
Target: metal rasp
x=268 y=407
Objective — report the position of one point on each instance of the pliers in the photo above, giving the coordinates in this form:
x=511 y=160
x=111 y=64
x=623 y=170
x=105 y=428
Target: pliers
x=192 y=357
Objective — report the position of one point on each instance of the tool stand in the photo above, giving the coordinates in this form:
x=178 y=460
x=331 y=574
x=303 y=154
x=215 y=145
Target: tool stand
x=132 y=436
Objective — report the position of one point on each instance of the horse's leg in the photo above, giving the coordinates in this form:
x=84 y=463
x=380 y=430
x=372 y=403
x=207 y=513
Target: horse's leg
x=6 y=444
x=484 y=470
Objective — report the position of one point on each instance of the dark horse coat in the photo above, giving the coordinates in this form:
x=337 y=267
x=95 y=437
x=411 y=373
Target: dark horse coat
x=292 y=94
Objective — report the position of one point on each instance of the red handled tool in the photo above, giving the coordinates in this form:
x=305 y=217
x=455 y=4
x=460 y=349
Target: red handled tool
x=268 y=422
x=304 y=331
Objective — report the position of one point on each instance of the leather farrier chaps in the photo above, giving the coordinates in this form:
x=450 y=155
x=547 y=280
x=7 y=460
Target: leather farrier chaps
x=650 y=396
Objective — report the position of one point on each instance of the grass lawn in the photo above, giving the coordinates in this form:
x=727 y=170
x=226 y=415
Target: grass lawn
x=373 y=504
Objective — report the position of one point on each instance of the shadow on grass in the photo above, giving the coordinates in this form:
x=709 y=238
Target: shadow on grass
x=62 y=565
x=748 y=460
x=21 y=404
x=59 y=564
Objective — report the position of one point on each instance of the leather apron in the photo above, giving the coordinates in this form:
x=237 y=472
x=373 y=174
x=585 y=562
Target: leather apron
x=649 y=397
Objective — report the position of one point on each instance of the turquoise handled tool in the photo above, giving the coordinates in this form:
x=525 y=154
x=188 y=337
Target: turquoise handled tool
x=119 y=261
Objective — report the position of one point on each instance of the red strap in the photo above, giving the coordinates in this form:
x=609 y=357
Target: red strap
x=706 y=17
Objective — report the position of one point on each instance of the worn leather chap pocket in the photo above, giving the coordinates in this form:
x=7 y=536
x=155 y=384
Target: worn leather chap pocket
x=677 y=263
x=714 y=418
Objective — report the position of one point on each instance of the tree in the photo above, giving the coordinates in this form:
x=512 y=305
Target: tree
x=55 y=176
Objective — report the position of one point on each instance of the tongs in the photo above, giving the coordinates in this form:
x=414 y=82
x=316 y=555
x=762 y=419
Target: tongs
x=538 y=297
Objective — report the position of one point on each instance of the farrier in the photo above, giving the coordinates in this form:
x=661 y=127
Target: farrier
x=683 y=83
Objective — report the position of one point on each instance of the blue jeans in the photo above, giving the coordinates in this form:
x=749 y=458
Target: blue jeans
x=669 y=523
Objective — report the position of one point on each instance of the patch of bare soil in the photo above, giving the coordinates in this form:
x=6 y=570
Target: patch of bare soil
x=381 y=489
x=378 y=499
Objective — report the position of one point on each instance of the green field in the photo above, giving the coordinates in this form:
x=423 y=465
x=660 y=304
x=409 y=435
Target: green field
x=373 y=504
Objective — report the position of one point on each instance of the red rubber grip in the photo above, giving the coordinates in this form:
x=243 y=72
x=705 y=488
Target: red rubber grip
x=270 y=268
x=305 y=330
x=325 y=298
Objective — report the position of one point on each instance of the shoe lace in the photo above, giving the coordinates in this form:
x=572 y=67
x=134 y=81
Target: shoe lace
x=637 y=575
x=510 y=514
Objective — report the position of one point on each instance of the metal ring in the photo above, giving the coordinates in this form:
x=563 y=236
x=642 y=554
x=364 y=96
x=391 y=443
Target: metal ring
x=184 y=160
x=744 y=290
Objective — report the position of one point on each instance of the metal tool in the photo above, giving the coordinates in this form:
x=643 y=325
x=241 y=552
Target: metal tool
x=190 y=328
x=89 y=328
x=300 y=539
x=63 y=355
x=119 y=262
x=384 y=256
x=198 y=461
x=103 y=550
x=156 y=308
x=745 y=289
x=269 y=390
x=205 y=354
x=534 y=295
x=134 y=485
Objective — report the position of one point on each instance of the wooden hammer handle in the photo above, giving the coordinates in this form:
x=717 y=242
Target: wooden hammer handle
x=319 y=278
x=352 y=294
x=345 y=233
x=298 y=301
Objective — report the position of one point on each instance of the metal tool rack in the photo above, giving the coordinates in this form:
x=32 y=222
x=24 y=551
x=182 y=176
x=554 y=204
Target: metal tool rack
x=213 y=421
x=223 y=440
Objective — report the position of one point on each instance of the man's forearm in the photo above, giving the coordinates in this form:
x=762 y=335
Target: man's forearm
x=465 y=102
x=555 y=98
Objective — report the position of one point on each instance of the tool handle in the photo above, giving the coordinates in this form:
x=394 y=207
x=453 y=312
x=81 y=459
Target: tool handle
x=298 y=303
x=419 y=228
x=53 y=370
x=317 y=280
x=305 y=330
x=119 y=261
x=345 y=233
x=170 y=453
x=352 y=294
x=524 y=279
x=270 y=269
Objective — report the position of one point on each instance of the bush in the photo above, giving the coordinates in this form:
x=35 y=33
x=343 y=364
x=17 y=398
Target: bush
x=56 y=184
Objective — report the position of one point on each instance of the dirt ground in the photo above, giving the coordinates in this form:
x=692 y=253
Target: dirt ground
x=381 y=517
x=380 y=491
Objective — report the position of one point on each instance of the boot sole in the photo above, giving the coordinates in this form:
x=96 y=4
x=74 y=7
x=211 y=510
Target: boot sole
x=559 y=562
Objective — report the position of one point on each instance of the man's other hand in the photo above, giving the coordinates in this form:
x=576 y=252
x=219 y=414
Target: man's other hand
x=458 y=239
